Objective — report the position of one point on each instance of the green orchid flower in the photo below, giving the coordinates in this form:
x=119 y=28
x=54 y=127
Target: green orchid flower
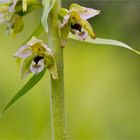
x=36 y=56
x=75 y=21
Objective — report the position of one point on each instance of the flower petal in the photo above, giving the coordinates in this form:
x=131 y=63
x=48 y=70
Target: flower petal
x=65 y=28
x=65 y=21
x=37 y=68
x=3 y=12
x=33 y=41
x=82 y=35
x=51 y=65
x=46 y=47
x=89 y=13
x=25 y=67
x=12 y=7
x=85 y=24
x=77 y=7
x=23 y=52
x=2 y=19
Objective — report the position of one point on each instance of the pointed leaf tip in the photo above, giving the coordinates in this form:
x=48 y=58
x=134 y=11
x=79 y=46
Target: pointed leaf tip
x=102 y=41
x=29 y=85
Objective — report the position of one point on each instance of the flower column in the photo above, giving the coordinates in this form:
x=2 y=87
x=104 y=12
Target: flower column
x=57 y=94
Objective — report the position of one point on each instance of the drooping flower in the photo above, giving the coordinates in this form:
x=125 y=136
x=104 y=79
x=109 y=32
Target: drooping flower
x=36 y=56
x=9 y=17
x=6 y=10
x=12 y=12
x=75 y=21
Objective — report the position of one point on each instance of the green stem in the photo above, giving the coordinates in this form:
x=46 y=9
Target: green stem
x=57 y=94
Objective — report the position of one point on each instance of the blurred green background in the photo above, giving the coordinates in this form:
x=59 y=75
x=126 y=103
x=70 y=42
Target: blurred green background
x=102 y=83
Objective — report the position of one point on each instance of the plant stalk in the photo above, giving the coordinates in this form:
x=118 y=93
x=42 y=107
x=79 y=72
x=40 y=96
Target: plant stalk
x=58 y=122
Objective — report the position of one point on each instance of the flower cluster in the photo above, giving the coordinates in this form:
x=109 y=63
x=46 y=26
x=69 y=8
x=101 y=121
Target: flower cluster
x=36 y=56
x=12 y=12
x=75 y=21
x=7 y=16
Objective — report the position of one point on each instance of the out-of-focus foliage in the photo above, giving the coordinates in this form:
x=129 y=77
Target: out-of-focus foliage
x=102 y=83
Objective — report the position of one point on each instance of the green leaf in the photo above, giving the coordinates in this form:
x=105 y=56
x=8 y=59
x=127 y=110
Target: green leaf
x=102 y=41
x=29 y=85
x=47 y=6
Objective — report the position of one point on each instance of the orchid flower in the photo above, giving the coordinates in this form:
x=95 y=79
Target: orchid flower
x=12 y=12
x=75 y=21
x=8 y=16
x=36 y=56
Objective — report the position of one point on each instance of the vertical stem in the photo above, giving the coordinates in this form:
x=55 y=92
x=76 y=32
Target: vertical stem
x=57 y=94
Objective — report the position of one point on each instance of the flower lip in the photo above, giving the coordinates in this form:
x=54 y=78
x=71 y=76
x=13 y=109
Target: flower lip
x=76 y=26
x=37 y=67
x=37 y=59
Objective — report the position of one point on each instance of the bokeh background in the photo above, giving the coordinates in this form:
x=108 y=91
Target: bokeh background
x=102 y=83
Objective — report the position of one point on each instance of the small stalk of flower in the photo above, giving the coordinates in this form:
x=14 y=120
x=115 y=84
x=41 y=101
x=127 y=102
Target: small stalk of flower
x=75 y=21
x=36 y=56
